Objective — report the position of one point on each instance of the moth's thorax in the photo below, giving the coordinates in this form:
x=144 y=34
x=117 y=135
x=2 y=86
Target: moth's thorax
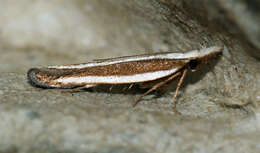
x=205 y=55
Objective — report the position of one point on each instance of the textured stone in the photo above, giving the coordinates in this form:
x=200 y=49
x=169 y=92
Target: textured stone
x=219 y=103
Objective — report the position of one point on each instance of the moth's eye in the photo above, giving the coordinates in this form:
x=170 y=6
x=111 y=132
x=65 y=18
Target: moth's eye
x=194 y=64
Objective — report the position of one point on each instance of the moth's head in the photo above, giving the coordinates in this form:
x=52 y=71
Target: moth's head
x=204 y=56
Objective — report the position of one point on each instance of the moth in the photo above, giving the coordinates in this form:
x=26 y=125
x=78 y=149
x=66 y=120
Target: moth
x=148 y=68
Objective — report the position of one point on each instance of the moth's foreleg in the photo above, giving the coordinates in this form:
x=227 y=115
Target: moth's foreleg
x=177 y=89
x=156 y=86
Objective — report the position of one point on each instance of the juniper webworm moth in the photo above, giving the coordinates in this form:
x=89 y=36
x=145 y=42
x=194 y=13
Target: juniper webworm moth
x=124 y=70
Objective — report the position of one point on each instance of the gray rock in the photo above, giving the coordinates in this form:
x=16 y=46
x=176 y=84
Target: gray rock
x=219 y=103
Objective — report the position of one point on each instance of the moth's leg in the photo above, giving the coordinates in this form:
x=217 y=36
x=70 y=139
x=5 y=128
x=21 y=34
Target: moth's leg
x=77 y=89
x=158 y=85
x=128 y=87
x=131 y=85
x=88 y=86
x=177 y=89
x=150 y=84
x=110 y=88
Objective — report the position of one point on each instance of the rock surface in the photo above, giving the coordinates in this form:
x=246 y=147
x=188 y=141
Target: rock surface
x=219 y=103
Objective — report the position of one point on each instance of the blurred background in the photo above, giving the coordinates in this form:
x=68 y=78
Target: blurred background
x=37 y=33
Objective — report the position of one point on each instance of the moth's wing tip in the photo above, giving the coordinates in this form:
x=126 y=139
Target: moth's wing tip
x=31 y=76
x=34 y=80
